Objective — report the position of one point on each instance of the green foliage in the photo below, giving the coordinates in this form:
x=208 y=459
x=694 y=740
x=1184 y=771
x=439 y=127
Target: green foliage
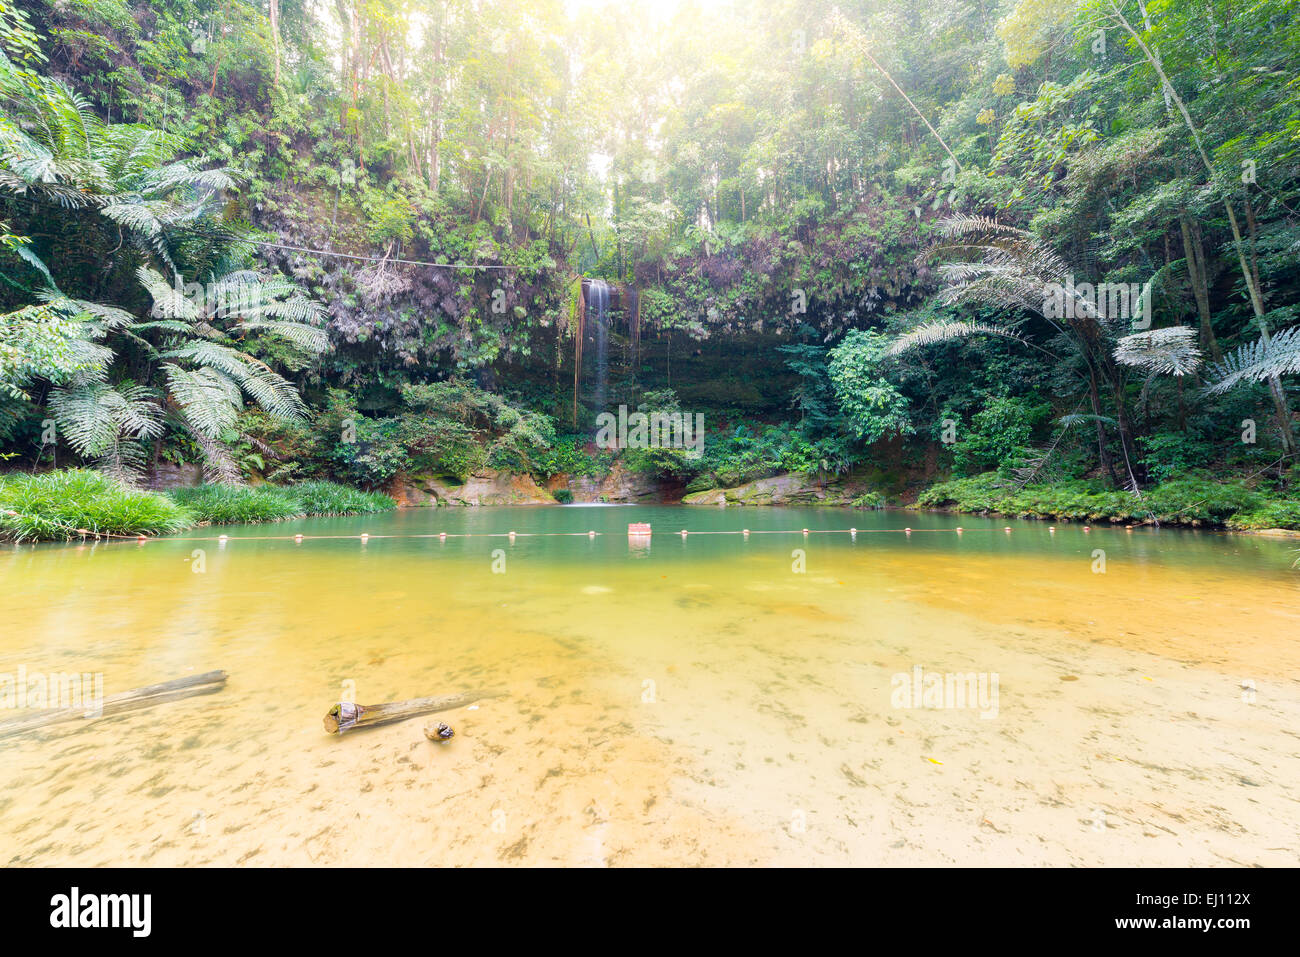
x=1274 y=514
x=745 y=454
x=456 y=419
x=57 y=505
x=1170 y=454
x=871 y=499
x=369 y=452
x=1192 y=500
x=876 y=408
x=40 y=342
x=755 y=233
x=446 y=428
x=998 y=436
x=568 y=455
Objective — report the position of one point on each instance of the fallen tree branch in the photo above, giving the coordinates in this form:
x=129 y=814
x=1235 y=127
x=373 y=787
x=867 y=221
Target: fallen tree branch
x=345 y=715
x=146 y=697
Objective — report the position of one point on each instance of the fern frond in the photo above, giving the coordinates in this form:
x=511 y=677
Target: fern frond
x=93 y=416
x=208 y=400
x=1169 y=351
x=943 y=331
x=1255 y=362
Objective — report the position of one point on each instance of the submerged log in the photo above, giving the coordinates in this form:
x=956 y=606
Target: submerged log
x=345 y=715
x=146 y=697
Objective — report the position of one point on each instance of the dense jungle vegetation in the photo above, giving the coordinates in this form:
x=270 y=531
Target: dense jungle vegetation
x=292 y=241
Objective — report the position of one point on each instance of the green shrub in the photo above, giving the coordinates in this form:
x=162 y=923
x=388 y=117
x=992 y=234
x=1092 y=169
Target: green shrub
x=998 y=436
x=371 y=452
x=563 y=495
x=54 y=505
x=1274 y=514
x=1200 y=499
x=568 y=456
x=871 y=499
x=233 y=504
x=1167 y=454
x=1184 y=501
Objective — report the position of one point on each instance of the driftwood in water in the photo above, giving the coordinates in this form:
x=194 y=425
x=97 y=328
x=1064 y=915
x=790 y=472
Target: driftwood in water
x=206 y=683
x=345 y=715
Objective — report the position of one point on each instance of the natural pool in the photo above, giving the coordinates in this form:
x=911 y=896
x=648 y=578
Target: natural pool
x=720 y=699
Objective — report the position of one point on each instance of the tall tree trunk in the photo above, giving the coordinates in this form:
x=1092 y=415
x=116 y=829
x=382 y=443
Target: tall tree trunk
x=1194 y=253
x=1094 y=398
x=275 y=36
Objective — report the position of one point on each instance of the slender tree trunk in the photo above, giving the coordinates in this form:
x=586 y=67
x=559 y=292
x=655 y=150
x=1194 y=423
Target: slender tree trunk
x=1194 y=253
x=1094 y=398
x=275 y=36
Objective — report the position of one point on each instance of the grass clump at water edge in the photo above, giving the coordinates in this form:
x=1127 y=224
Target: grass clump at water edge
x=235 y=504
x=330 y=498
x=59 y=505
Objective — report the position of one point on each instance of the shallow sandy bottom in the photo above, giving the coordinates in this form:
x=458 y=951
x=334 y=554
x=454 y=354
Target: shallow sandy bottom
x=719 y=709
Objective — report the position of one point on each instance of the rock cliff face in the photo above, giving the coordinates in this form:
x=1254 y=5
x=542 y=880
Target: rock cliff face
x=620 y=487
x=487 y=487
x=783 y=490
x=491 y=487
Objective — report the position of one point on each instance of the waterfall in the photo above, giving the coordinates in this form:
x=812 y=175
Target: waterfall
x=598 y=309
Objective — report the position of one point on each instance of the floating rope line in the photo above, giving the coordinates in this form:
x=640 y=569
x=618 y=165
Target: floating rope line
x=364 y=537
x=640 y=537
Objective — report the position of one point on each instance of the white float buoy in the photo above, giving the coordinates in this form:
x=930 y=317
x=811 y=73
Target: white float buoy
x=298 y=539
x=683 y=533
x=591 y=534
x=442 y=536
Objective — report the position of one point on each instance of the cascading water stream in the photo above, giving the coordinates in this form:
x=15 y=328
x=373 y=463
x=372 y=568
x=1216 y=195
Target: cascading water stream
x=598 y=309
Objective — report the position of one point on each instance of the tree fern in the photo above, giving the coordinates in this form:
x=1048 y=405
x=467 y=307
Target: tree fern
x=1169 y=351
x=1257 y=361
x=931 y=332
x=208 y=400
